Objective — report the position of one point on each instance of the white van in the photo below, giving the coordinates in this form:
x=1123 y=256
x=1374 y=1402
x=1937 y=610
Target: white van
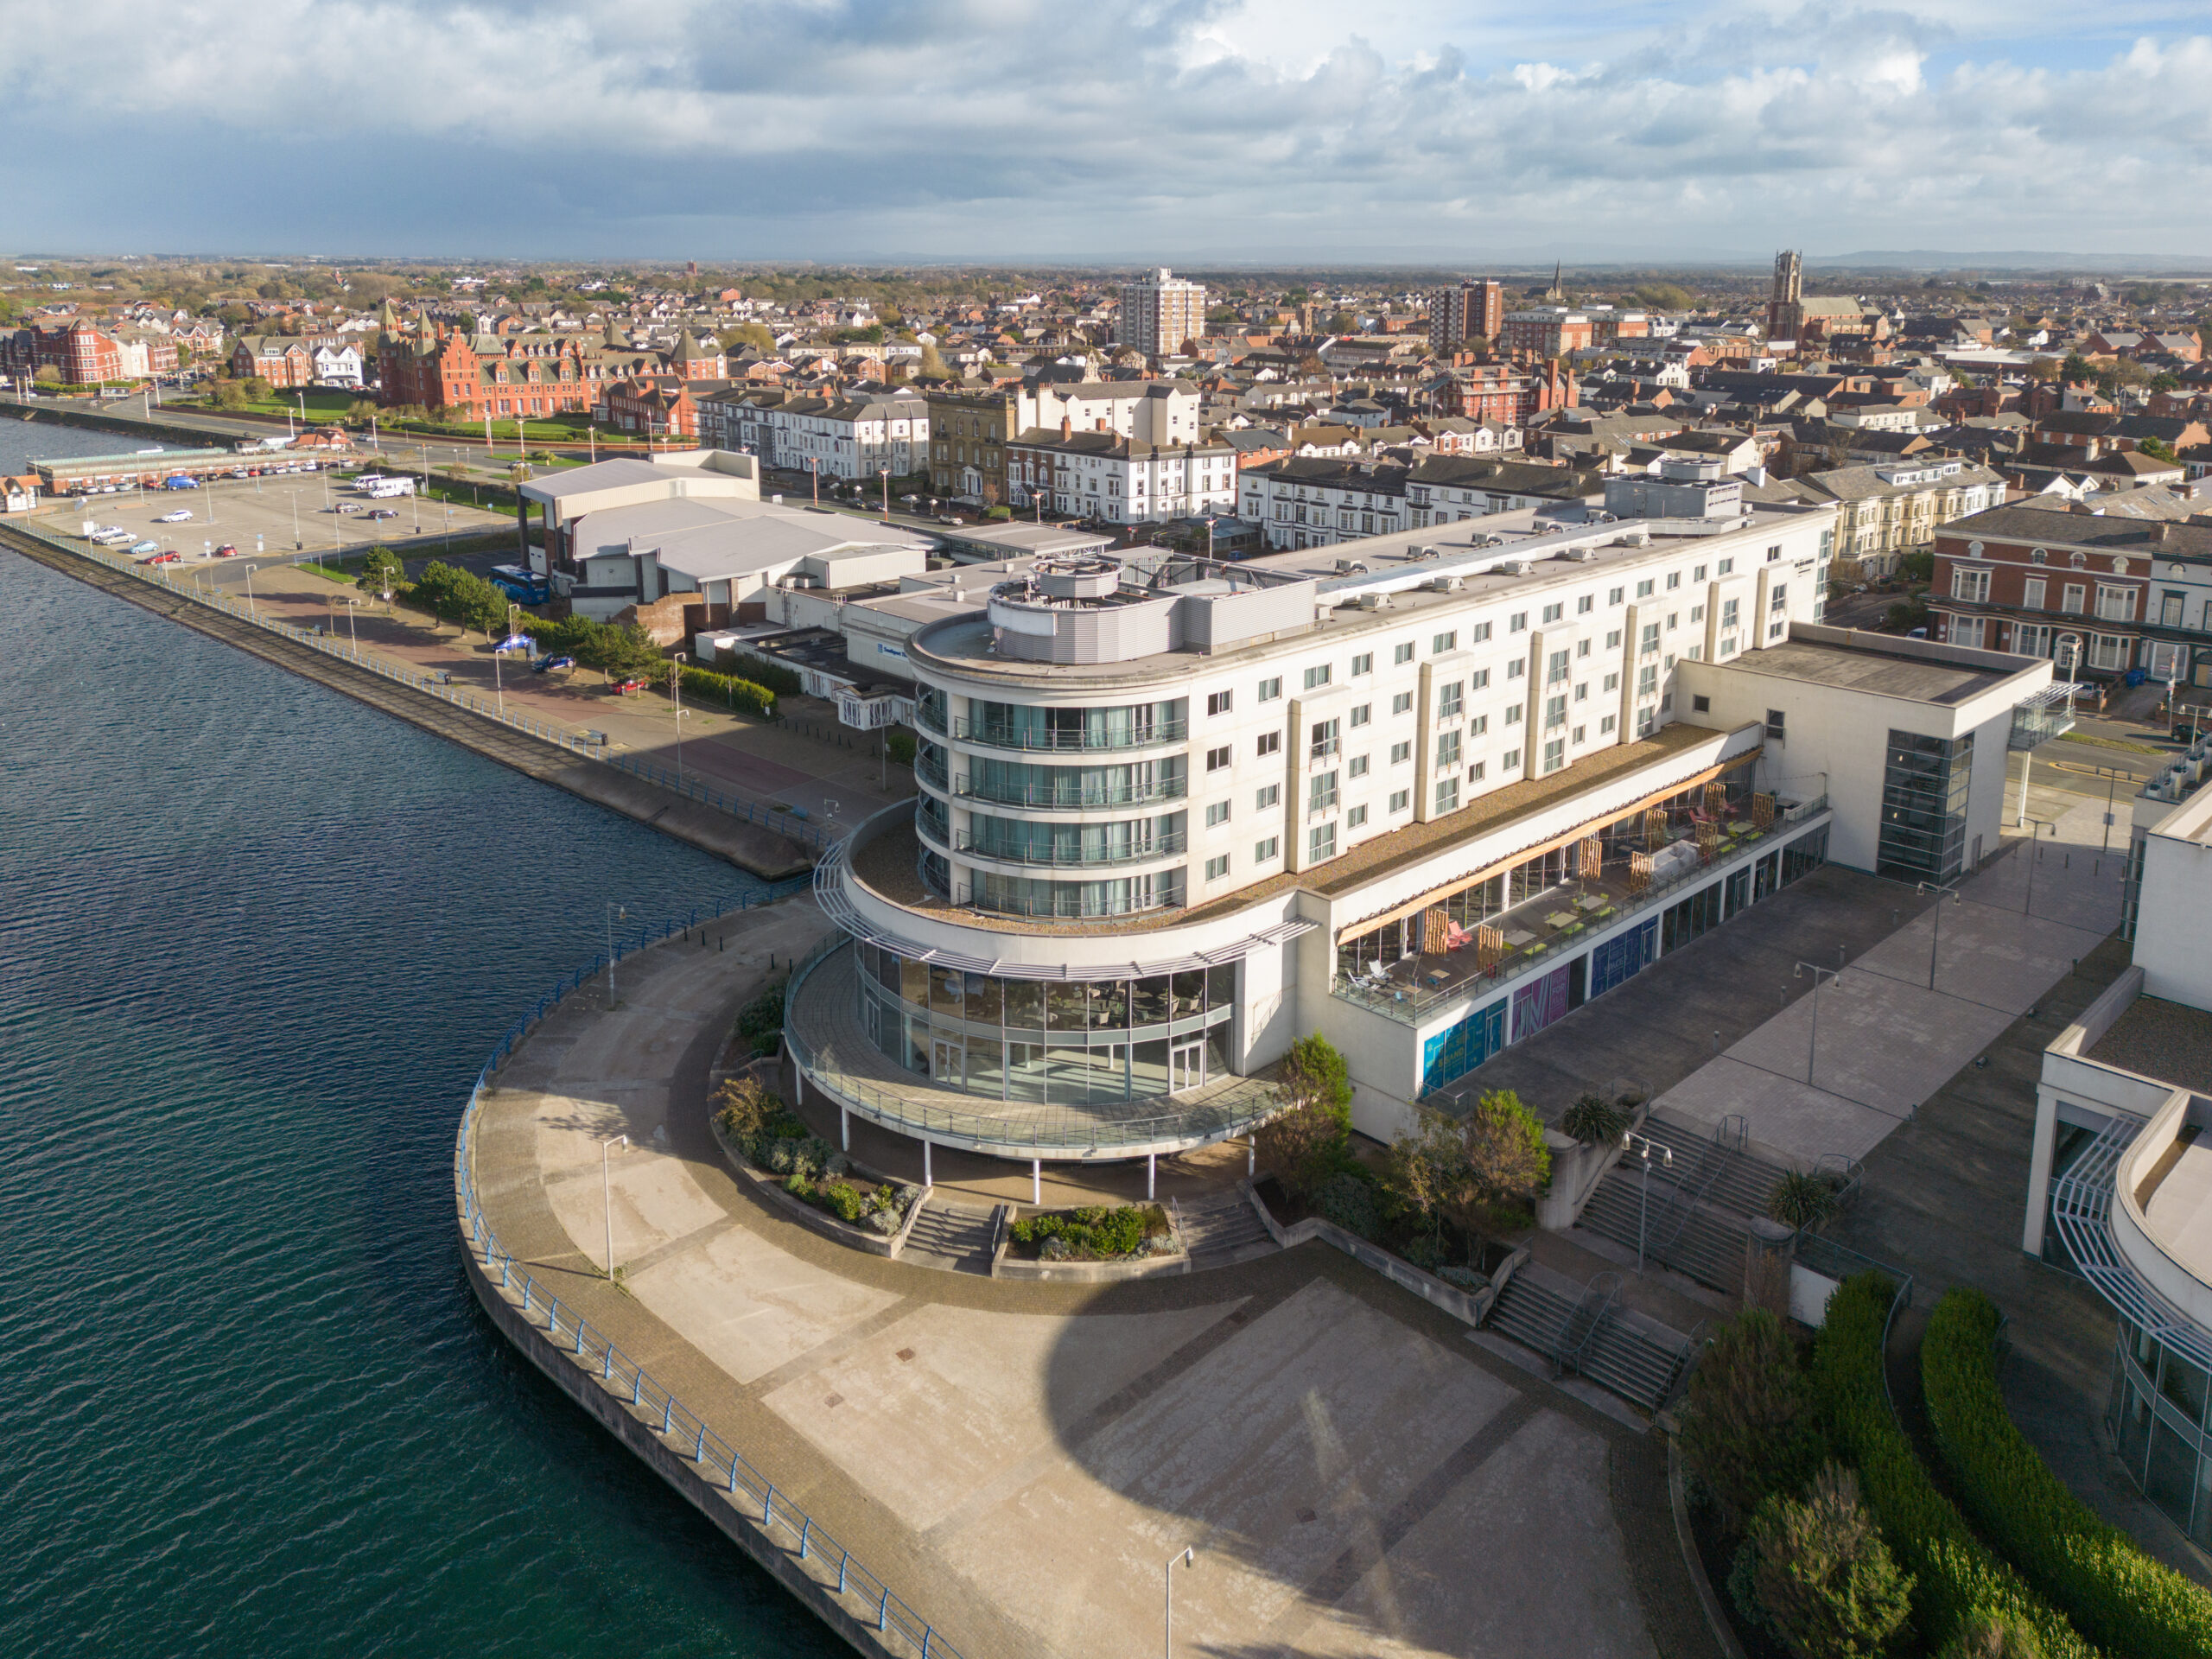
x=385 y=487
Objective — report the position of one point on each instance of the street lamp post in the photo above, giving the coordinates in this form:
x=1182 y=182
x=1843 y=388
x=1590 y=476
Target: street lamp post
x=1645 y=1145
x=884 y=472
x=676 y=706
x=607 y=1193
x=1813 y=1046
x=1941 y=892
x=1187 y=1556
x=614 y=913
x=2035 y=834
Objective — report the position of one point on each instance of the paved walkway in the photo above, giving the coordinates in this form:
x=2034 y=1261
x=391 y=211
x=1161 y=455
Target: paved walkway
x=1017 y=1460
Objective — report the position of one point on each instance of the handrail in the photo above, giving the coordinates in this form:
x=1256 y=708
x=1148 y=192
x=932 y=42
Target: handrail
x=1167 y=845
x=1566 y=1359
x=990 y=735
x=681 y=1429
x=1167 y=789
x=690 y=787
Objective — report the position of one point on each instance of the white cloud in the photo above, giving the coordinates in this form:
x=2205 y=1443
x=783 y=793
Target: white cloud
x=1173 y=126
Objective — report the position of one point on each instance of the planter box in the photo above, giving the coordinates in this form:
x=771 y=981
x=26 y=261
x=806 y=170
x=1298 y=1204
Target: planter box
x=1005 y=1266
x=1468 y=1307
x=771 y=1187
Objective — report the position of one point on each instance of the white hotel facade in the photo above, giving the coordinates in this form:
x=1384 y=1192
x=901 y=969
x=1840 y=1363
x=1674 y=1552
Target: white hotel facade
x=1423 y=794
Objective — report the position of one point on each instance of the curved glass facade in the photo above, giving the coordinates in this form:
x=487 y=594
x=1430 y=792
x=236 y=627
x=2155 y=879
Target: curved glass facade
x=2157 y=1417
x=1023 y=840
x=1018 y=783
x=1020 y=726
x=1069 y=1042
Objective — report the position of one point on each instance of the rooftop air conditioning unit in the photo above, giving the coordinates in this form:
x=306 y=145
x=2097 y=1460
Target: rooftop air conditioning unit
x=1633 y=538
x=1344 y=567
x=1580 y=555
x=1444 y=584
x=1375 y=602
x=1514 y=568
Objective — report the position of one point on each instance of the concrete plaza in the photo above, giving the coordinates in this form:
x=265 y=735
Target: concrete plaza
x=1020 y=1459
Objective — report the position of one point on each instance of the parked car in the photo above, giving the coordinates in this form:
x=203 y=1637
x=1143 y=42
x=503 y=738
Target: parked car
x=385 y=513
x=633 y=684
x=145 y=547
x=170 y=556
x=177 y=517
x=226 y=551
x=546 y=665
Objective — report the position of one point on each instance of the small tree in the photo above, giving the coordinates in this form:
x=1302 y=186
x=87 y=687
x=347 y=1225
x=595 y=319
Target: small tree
x=1800 y=1200
x=1749 y=1430
x=1993 y=1635
x=1506 y=1165
x=1301 y=1145
x=743 y=1108
x=1826 y=1582
x=1593 y=1120
x=381 y=571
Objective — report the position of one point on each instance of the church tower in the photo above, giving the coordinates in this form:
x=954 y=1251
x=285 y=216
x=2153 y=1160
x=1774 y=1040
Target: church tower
x=1785 y=310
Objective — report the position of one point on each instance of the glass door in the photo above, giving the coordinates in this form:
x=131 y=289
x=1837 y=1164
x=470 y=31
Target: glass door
x=945 y=1061
x=1187 y=1067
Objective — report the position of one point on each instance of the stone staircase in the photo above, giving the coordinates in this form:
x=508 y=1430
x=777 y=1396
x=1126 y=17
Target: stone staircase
x=1580 y=1329
x=1220 y=1231
x=1692 y=1218
x=950 y=1238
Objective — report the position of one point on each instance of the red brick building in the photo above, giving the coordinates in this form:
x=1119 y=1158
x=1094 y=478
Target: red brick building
x=656 y=405
x=2108 y=591
x=279 y=361
x=501 y=376
x=1505 y=392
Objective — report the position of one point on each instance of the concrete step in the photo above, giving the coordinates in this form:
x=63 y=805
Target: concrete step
x=1220 y=1231
x=942 y=1237
x=1598 y=1343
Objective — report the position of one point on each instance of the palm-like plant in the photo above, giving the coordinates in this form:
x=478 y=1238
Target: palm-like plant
x=1800 y=1200
x=1593 y=1121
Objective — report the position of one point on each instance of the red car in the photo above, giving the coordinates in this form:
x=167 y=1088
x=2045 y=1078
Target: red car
x=632 y=683
x=170 y=558
x=226 y=551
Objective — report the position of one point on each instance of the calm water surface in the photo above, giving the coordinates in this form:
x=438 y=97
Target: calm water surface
x=255 y=940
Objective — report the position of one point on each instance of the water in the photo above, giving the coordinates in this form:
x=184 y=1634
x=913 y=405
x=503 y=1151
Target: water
x=255 y=940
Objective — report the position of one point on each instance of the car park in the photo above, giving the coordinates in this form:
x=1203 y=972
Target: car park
x=547 y=664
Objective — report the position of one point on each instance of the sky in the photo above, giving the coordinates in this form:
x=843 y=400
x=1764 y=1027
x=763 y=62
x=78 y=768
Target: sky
x=1118 y=131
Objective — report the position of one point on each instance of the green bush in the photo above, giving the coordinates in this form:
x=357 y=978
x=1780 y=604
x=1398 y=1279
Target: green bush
x=2120 y=1596
x=900 y=746
x=765 y=670
x=1750 y=1428
x=1095 y=1233
x=1958 y=1579
x=760 y=1022
x=742 y=695
x=1825 y=1585
x=844 y=1200
x=1350 y=1202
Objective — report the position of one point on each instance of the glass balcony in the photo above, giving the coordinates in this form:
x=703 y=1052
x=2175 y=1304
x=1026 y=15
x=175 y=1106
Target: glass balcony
x=1048 y=798
x=1110 y=852
x=1030 y=740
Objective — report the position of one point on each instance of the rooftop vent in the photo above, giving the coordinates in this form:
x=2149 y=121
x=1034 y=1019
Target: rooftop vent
x=1580 y=555
x=1375 y=602
x=1444 y=584
x=1514 y=568
x=1077 y=576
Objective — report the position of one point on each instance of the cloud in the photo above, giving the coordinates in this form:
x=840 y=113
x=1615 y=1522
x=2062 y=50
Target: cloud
x=1196 y=128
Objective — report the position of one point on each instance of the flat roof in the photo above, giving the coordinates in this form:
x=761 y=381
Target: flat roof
x=1871 y=669
x=2169 y=1041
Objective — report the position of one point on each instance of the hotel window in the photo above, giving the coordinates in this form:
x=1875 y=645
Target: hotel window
x=1400 y=799
x=1698 y=574
x=1647 y=679
x=1643 y=588
x=1266 y=849
x=1447 y=701
x=1363 y=664
x=1216 y=867
x=1555 y=670
x=1607 y=724
x=1725 y=567
x=1442 y=643
x=1263 y=799
x=1271 y=743
x=1316 y=676
x=2108 y=650
x=1403 y=653
x=1448 y=749
x=1357 y=766
x=2031 y=592
x=1650 y=640
x=1478 y=679
x=1361 y=716
x=1555 y=754
x=1697 y=613
x=2072 y=597
x=1514 y=668
x=1509 y=760
x=1582 y=692
x=1555 y=712
x=1447 y=794
x=1585 y=604
x=1478 y=725
x=1613 y=640
x=1581 y=733
x=1270 y=689
x=1773 y=553
x=1553 y=612
x=1674 y=580
x=1217 y=703
x=1216 y=813
x=1355 y=817
x=1321 y=843
x=1475 y=773
x=1402 y=703
x=1479 y=633
x=1779 y=598
x=1516 y=622
x=1401 y=753
x=1216 y=759
x=1972 y=586
x=1614 y=596
x=1728 y=614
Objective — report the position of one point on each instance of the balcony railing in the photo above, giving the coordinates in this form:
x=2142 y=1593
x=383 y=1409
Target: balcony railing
x=928 y=718
x=1131 y=853
x=991 y=734
x=1068 y=908
x=1414 y=1003
x=1170 y=789
x=930 y=769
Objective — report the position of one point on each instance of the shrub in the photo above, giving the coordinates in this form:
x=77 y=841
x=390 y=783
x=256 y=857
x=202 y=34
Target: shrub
x=1825 y=1585
x=1994 y=1638
x=900 y=746
x=1593 y=1120
x=1350 y=1202
x=760 y=1022
x=728 y=690
x=1750 y=1430
x=2119 y=1597
x=1303 y=1145
x=1957 y=1578
x=842 y=1200
x=1425 y=1250
x=1093 y=1233
x=744 y=1109
x=1800 y=1200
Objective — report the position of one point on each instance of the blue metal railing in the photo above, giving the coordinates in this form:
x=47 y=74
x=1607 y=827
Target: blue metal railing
x=690 y=786
x=780 y=1523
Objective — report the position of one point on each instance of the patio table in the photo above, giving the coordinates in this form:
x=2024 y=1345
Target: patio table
x=1589 y=901
x=1558 y=918
x=1516 y=938
x=1740 y=827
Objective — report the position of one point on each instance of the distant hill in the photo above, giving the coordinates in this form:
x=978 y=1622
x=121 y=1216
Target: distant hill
x=1945 y=259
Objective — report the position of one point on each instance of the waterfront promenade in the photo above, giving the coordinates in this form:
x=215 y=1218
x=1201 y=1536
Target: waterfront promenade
x=1017 y=1460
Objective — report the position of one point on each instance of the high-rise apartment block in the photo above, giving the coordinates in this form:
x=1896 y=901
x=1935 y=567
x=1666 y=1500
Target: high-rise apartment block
x=1159 y=311
x=1470 y=311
